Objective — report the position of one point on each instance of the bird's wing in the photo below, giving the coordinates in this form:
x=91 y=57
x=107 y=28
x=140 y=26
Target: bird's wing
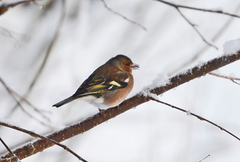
x=100 y=85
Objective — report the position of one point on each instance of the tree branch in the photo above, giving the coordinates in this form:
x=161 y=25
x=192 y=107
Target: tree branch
x=226 y=77
x=176 y=6
x=134 y=101
x=197 y=116
x=31 y=148
x=9 y=150
x=51 y=45
x=199 y=9
x=4 y=8
x=19 y=104
x=49 y=50
x=194 y=27
x=124 y=17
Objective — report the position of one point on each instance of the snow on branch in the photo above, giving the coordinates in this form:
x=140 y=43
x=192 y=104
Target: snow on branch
x=232 y=46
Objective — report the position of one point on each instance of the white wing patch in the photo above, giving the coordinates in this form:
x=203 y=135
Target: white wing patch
x=110 y=87
x=126 y=80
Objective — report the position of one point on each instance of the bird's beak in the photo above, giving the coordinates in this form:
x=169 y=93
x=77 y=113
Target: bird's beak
x=134 y=66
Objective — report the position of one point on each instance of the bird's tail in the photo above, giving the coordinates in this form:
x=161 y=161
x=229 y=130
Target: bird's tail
x=63 y=102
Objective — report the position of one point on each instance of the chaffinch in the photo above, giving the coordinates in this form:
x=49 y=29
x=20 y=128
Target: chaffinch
x=108 y=85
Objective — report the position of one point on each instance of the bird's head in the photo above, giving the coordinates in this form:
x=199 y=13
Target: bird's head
x=124 y=63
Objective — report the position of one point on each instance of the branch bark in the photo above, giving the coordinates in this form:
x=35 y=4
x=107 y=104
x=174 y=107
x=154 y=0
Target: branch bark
x=134 y=101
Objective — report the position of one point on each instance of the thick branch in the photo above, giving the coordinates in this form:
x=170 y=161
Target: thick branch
x=136 y=100
x=31 y=147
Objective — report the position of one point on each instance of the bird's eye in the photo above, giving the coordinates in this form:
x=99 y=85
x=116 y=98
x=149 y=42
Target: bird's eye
x=128 y=64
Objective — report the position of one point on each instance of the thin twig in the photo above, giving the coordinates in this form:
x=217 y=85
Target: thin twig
x=124 y=17
x=223 y=76
x=42 y=137
x=50 y=47
x=194 y=27
x=6 y=32
x=235 y=82
x=12 y=157
x=199 y=9
x=36 y=77
x=226 y=77
x=19 y=104
x=4 y=8
x=205 y=158
x=201 y=51
x=32 y=106
x=14 y=36
x=26 y=101
x=9 y=150
x=195 y=115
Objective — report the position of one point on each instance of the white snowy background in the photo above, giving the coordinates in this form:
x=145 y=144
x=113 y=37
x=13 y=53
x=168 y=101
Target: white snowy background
x=89 y=36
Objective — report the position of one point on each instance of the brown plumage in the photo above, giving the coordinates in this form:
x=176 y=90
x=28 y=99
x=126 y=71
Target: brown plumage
x=108 y=85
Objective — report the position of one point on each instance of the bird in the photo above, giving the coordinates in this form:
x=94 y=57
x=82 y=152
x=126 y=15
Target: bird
x=108 y=85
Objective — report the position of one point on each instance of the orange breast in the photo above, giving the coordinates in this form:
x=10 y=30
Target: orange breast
x=115 y=97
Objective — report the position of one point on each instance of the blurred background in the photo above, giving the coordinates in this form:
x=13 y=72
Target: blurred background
x=48 y=49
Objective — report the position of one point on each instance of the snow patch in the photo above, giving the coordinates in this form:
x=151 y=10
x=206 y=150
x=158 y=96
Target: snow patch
x=217 y=71
x=231 y=47
x=232 y=75
x=160 y=80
